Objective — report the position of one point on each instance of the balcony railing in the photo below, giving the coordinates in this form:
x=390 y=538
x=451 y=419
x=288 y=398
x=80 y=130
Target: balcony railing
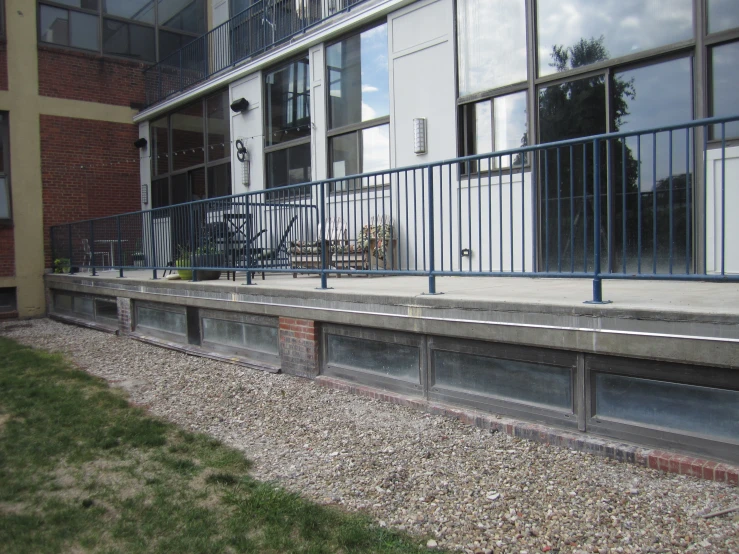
x=638 y=205
x=262 y=26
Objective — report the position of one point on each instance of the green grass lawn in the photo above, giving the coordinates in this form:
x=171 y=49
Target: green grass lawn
x=81 y=470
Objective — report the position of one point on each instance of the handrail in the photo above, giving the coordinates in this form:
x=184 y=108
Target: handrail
x=260 y=27
x=570 y=205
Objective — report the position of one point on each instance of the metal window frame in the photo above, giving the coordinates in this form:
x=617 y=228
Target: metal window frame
x=5 y=139
x=332 y=132
x=102 y=16
x=206 y=164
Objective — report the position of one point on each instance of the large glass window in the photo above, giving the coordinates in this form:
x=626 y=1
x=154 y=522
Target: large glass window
x=582 y=32
x=492 y=44
x=493 y=125
x=724 y=63
x=288 y=124
x=5 y=208
x=179 y=142
x=128 y=26
x=359 y=106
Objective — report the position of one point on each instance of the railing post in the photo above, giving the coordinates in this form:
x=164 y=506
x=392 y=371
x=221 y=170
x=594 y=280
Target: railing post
x=120 y=247
x=322 y=238
x=153 y=244
x=597 y=281
x=71 y=250
x=247 y=211
x=92 y=247
x=192 y=245
x=431 y=231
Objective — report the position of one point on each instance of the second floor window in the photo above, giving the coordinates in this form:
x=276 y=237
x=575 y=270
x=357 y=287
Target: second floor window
x=128 y=28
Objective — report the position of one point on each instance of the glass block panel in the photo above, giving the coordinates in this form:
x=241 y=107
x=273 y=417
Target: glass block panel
x=541 y=384
x=241 y=335
x=62 y=303
x=690 y=408
x=398 y=361
x=170 y=322
x=83 y=305
x=106 y=309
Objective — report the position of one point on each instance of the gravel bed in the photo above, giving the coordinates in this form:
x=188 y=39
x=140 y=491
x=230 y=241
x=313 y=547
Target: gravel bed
x=469 y=489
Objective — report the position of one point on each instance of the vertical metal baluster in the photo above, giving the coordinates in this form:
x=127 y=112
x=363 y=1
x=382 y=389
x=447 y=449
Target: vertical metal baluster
x=431 y=227
x=585 y=206
x=705 y=191
x=638 y=203
x=669 y=155
x=654 y=203
x=510 y=206
x=723 y=199
x=120 y=246
x=688 y=187
x=597 y=283
x=479 y=219
x=572 y=210
x=559 y=212
x=490 y=216
x=546 y=210
x=623 y=204
x=523 y=213
x=324 y=276
x=500 y=213
x=92 y=248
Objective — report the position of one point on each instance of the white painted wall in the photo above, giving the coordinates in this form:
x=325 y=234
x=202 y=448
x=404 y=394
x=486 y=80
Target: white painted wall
x=249 y=127
x=714 y=176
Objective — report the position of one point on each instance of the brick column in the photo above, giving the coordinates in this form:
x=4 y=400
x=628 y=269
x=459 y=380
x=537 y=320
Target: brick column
x=299 y=347
x=125 y=321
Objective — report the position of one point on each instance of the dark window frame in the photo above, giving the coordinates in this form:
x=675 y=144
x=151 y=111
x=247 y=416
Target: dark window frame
x=102 y=16
x=332 y=132
x=205 y=165
x=5 y=138
x=304 y=191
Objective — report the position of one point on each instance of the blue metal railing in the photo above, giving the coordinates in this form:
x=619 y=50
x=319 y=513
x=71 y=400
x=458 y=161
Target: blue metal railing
x=634 y=205
x=263 y=25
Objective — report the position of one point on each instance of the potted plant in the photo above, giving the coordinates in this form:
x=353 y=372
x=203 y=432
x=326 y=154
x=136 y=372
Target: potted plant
x=206 y=255
x=62 y=265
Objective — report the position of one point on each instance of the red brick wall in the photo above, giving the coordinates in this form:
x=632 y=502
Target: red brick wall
x=299 y=347
x=7 y=252
x=3 y=65
x=89 y=77
x=78 y=179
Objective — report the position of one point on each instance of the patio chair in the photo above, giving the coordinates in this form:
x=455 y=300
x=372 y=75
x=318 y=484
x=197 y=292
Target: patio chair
x=88 y=257
x=279 y=255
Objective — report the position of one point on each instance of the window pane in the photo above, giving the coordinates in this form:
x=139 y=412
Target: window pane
x=238 y=6
x=180 y=189
x=645 y=97
x=125 y=39
x=183 y=15
x=587 y=32
x=83 y=31
x=219 y=126
x=289 y=166
x=689 y=408
x=197 y=184
x=358 y=76
x=4 y=198
x=54 y=25
x=160 y=193
x=511 y=379
x=492 y=44
x=375 y=149
x=219 y=180
x=510 y=126
x=724 y=84
x=722 y=15
x=288 y=103
x=362 y=151
x=138 y=10
x=160 y=146
x=188 y=142
x=397 y=361
x=573 y=109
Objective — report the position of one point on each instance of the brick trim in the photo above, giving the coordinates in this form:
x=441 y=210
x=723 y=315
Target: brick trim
x=668 y=462
x=299 y=347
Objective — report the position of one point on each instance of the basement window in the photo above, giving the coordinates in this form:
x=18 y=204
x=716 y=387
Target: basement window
x=7 y=300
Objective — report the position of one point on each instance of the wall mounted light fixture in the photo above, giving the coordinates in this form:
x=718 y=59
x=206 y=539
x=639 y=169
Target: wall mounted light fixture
x=419 y=135
x=140 y=143
x=144 y=194
x=240 y=105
